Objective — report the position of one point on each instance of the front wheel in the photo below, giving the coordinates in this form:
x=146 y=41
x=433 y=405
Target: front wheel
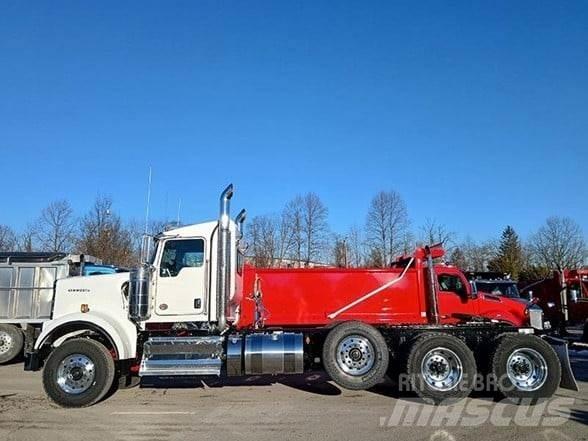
x=78 y=373
x=525 y=366
x=11 y=343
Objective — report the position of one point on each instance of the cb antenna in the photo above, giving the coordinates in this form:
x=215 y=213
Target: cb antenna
x=179 y=208
x=148 y=203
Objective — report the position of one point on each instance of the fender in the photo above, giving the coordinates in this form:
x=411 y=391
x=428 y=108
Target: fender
x=122 y=335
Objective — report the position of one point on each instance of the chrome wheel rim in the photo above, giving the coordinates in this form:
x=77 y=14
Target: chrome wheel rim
x=526 y=369
x=5 y=342
x=355 y=355
x=441 y=369
x=75 y=374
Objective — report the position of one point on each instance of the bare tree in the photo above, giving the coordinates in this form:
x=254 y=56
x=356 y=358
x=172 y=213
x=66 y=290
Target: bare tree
x=314 y=226
x=340 y=251
x=475 y=256
x=26 y=240
x=55 y=228
x=8 y=240
x=432 y=232
x=559 y=244
x=294 y=217
x=136 y=230
x=386 y=227
x=307 y=216
x=103 y=235
x=261 y=237
x=458 y=259
x=269 y=239
x=356 y=247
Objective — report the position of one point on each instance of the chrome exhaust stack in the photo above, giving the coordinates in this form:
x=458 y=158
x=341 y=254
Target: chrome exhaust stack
x=432 y=299
x=239 y=220
x=223 y=277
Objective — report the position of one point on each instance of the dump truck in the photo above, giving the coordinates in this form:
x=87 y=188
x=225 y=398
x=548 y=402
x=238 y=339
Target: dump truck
x=195 y=308
x=564 y=298
x=26 y=292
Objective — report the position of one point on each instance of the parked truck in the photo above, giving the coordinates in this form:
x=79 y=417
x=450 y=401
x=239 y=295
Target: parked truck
x=26 y=292
x=563 y=297
x=195 y=308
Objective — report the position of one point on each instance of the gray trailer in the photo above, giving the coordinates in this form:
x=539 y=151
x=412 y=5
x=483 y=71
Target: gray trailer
x=27 y=283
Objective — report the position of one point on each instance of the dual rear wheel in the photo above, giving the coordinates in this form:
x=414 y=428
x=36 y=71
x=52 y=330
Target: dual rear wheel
x=440 y=366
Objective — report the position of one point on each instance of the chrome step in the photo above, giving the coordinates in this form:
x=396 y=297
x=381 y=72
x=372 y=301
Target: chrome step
x=182 y=356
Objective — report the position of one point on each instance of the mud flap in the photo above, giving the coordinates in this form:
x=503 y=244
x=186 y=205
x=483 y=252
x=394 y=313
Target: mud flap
x=561 y=349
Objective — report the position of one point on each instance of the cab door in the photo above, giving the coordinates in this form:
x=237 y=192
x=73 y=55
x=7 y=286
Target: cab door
x=181 y=278
x=455 y=304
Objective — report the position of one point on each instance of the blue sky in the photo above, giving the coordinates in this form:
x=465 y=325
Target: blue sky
x=476 y=112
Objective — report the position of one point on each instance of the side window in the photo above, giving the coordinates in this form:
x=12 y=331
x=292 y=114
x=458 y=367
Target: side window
x=178 y=254
x=451 y=283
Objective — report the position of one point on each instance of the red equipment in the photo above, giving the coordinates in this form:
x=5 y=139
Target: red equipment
x=390 y=296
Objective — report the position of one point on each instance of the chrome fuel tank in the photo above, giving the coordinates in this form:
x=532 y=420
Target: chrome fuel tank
x=272 y=353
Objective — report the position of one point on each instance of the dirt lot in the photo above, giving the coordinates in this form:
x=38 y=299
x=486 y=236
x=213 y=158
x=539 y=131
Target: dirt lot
x=304 y=407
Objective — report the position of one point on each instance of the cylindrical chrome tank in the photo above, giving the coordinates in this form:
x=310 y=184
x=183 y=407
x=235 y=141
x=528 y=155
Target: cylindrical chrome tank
x=274 y=353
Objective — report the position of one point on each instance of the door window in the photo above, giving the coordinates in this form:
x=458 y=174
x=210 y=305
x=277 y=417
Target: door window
x=452 y=283
x=178 y=254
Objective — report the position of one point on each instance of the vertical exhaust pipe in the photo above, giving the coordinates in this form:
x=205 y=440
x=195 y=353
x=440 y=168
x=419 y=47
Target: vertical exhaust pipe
x=433 y=300
x=223 y=277
x=239 y=219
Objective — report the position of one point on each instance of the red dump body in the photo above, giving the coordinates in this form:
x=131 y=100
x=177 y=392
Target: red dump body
x=321 y=296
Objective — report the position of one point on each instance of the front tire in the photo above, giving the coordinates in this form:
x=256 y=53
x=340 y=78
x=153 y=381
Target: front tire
x=525 y=366
x=11 y=343
x=441 y=367
x=78 y=373
x=355 y=355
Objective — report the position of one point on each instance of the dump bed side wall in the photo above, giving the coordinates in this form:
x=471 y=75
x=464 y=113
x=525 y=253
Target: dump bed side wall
x=305 y=297
x=27 y=290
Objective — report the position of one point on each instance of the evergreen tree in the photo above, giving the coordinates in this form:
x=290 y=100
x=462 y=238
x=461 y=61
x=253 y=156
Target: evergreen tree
x=510 y=257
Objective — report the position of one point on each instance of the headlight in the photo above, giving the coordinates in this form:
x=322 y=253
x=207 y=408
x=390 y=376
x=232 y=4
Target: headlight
x=535 y=316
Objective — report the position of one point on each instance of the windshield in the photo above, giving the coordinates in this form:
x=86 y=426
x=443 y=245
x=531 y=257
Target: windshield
x=506 y=289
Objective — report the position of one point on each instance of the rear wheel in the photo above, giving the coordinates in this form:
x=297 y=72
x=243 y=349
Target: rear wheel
x=355 y=355
x=78 y=373
x=11 y=343
x=441 y=367
x=525 y=366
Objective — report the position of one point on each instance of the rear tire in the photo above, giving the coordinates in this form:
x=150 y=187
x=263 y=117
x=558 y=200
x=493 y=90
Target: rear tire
x=78 y=373
x=355 y=355
x=11 y=343
x=525 y=366
x=441 y=367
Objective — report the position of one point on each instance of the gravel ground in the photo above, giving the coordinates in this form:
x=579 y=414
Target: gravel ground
x=300 y=407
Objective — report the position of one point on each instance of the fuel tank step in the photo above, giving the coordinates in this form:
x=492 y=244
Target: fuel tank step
x=182 y=356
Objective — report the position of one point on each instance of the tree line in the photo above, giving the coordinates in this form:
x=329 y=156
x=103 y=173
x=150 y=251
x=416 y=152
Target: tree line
x=299 y=236
x=100 y=233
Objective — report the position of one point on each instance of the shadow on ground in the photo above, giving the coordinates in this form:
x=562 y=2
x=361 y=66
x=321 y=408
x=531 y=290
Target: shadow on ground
x=319 y=383
x=312 y=382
